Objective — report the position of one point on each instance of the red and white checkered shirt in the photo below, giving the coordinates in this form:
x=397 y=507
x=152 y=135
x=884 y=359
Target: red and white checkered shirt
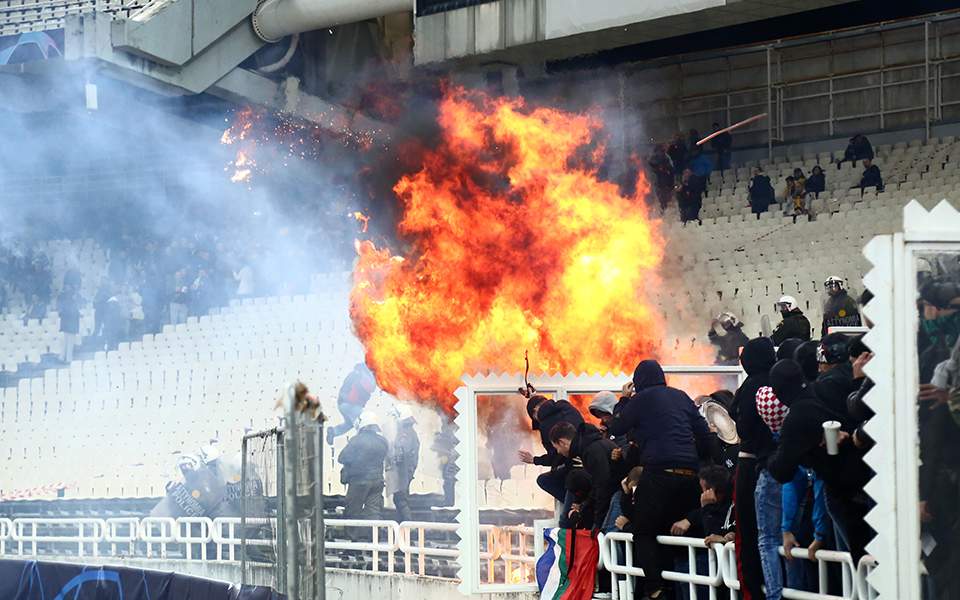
x=770 y=409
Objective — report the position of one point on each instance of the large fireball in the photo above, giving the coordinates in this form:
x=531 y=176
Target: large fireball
x=514 y=243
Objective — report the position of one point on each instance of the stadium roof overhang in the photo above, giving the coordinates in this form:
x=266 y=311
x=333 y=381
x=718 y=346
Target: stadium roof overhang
x=177 y=48
x=528 y=31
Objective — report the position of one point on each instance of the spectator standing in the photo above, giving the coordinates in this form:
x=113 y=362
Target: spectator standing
x=756 y=442
x=730 y=341
x=722 y=145
x=677 y=151
x=545 y=414
x=858 y=148
x=761 y=192
x=836 y=382
x=604 y=406
x=690 y=197
x=817 y=182
x=671 y=436
x=68 y=306
x=404 y=458
x=801 y=444
x=794 y=323
x=363 y=462
x=663 y=176
x=840 y=310
x=590 y=450
x=180 y=298
x=244 y=279
x=135 y=303
x=355 y=392
x=871 y=176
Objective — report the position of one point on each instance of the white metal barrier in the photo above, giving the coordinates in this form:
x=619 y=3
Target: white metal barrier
x=513 y=545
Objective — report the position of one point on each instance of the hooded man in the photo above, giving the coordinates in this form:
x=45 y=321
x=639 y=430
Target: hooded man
x=840 y=310
x=802 y=443
x=756 y=442
x=671 y=437
x=587 y=447
x=363 y=461
x=836 y=382
x=545 y=414
x=794 y=323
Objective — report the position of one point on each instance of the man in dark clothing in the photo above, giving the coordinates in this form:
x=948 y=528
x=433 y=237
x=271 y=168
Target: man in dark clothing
x=353 y=396
x=756 y=442
x=404 y=458
x=835 y=382
x=68 y=306
x=663 y=176
x=671 y=436
x=545 y=414
x=677 y=151
x=690 y=196
x=802 y=443
x=794 y=324
x=363 y=460
x=729 y=344
x=721 y=145
x=871 y=176
x=761 y=192
x=589 y=449
x=817 y=182
x=840 y=310
x=858 y=148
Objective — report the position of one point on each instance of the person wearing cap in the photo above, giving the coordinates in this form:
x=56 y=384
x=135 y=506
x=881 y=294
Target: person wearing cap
x=839 y=310
x=794 y=324
x=802 y=444
x=545 y=414
x=728 y=342
x=671 y=438
x=362 y=472
x=404 y=458
x=604 y=406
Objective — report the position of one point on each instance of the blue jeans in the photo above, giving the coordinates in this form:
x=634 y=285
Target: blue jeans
x=769 y=509
x=610 y=523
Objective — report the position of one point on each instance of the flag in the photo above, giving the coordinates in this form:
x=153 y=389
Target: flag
x=568 y=567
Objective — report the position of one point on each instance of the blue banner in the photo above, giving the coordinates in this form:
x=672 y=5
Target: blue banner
x=33 y=580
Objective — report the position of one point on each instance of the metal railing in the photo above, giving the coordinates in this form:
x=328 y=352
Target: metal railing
x=413 y=542
x=721 y=575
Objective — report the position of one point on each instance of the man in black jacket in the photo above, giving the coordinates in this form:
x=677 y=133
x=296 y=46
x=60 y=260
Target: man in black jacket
x=722 y=145
x=545 y=414
x=670 y=436
x=729 y=343
x=663 y=176
x=835 y=382
x=761 y=192
x=858 y=148
x=840 y=310
x=589 y=449
x=802 y=443
x=794 y=324
x=756 y=442
x=363 y=460
x=871 y=176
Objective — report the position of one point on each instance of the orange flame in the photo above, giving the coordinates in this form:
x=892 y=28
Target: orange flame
x=516 y=243
x=362 y=218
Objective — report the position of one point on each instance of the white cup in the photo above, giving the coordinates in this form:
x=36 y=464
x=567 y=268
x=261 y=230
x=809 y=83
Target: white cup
x=831 y=430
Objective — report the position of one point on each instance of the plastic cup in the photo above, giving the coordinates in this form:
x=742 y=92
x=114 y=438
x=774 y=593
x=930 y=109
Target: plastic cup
x=831 y=430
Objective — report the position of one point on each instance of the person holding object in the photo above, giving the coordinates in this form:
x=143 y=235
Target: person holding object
x=404 y=458
x=545 y=414
x=802 y=443
x=730 y=341
x=671 y=437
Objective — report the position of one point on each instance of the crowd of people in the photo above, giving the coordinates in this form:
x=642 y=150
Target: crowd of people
x=680 y=172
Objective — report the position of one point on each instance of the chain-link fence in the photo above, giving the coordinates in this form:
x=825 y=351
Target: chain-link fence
x=281 y=526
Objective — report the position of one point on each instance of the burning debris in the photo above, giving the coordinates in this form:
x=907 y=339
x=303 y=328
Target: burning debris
x=514 y=242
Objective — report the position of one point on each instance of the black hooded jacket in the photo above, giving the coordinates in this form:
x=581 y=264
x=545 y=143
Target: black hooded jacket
x=593 y=450
x=551 y=413
x=834 y=387
x=801 y=444
x=663 y=423
x=757 y=358
x=794 y=325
